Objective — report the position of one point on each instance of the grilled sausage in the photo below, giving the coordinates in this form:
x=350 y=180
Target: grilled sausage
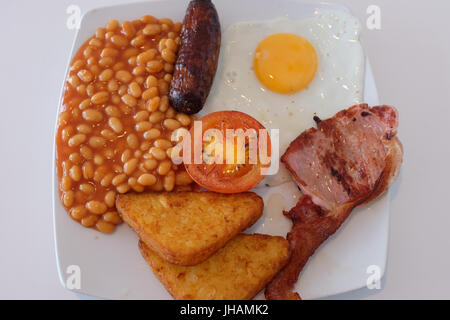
x=197 y=58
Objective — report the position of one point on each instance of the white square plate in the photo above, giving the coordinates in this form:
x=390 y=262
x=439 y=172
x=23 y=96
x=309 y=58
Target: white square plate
x=111 y=265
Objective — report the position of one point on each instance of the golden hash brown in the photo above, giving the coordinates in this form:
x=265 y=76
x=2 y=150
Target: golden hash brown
x=186 y=228
x=238 y=271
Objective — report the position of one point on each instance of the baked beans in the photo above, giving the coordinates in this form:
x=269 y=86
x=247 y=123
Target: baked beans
x=115 y=122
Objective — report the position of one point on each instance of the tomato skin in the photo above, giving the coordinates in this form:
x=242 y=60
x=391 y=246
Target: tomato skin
x=211 y=176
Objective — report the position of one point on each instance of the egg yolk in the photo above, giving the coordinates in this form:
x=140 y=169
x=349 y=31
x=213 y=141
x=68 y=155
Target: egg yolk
x=285 y=63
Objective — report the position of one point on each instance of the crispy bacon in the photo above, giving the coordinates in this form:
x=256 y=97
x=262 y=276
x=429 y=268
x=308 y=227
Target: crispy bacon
x=342 y=159
x=311 y=227
x=347 y=161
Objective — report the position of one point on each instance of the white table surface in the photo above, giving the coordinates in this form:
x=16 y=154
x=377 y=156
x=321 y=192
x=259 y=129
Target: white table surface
x=410 y=57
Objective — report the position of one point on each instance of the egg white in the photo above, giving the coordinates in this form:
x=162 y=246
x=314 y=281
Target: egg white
x=338 y=83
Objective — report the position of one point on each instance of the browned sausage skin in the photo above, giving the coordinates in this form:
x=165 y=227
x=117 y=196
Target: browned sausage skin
x=198 y=56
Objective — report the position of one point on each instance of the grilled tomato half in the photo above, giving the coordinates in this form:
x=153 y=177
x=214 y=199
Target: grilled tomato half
x=230 y=152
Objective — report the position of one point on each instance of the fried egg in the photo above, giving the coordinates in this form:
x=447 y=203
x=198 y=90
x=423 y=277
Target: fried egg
x=283 y=72
x=285 y=62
